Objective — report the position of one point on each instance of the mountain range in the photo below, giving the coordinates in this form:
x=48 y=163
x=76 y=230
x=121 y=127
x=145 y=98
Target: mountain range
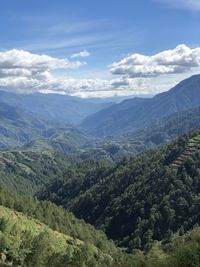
x=54 y=107
x=117 y=185
x=136 y=113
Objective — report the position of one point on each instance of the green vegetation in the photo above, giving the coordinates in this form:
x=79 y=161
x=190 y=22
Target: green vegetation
x=132 y=143
x=138 y=200
x=27 y=242
x=146 y=204
x=97 y=250
x=27 y=171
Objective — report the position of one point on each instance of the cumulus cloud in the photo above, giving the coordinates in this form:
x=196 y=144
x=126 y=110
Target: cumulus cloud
x=24 y=72
x=83 y=53
x=179 y=60
x=27 y=72
x=182 y=4
x=20 y=59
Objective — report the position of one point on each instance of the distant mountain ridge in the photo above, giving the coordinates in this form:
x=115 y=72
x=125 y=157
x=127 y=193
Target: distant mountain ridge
x=60 y=108
x=136 y=113
x=19 y=127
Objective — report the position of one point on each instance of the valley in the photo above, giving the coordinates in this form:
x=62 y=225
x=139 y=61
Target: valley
x=125 y=199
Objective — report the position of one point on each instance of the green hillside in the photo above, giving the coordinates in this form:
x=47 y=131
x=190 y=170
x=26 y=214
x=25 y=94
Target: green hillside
x=27 y=171
x=139 y=200
x=188 y=153
x=94 y=249
x=27 y=242
x=19 y=127
x=21 y=236
x=44 y=235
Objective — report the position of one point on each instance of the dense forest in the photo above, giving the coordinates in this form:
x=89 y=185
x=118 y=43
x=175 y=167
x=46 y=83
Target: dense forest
x=145 y=204
x=38 y=233
x=138 y=200
x=95 y=250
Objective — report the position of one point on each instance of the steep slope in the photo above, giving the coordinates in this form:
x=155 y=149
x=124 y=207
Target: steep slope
x=160 y=132
x=138 y=200
x=35 y=243
x=57 y=239
x=27 y=171
x=62 y=108
x=62 y=240
x=187 y=155
x=136 y=113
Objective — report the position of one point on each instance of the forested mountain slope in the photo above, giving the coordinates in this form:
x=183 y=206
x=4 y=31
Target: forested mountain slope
x=66 y=241
x=160 y=132
x=36 y=233
x=27 y=171
x=139 y=200
x=137 y=112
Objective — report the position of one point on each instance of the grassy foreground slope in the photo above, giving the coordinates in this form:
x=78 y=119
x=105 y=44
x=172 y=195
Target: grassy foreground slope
x=91 y=247
x=27 y=242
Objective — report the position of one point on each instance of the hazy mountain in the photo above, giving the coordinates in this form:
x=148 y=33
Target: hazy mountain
x=137 y=112
x=62 y=108
x=72 y=141
x=66 y=140
x=19 y=127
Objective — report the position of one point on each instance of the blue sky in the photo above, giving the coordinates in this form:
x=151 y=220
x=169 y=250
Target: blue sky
x=108 y=32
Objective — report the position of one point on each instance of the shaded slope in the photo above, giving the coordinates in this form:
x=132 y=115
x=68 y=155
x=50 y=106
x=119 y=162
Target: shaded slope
x=18 y=126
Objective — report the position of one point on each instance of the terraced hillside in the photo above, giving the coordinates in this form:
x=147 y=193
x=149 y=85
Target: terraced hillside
x=192 y=148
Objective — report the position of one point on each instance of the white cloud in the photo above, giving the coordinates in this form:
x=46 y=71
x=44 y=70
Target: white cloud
x=179 y=60
x=24 y=72
x=182 y=4
x=83 y=53
x=20 y=59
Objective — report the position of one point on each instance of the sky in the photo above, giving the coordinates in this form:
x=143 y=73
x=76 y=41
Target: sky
x=98 y=48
